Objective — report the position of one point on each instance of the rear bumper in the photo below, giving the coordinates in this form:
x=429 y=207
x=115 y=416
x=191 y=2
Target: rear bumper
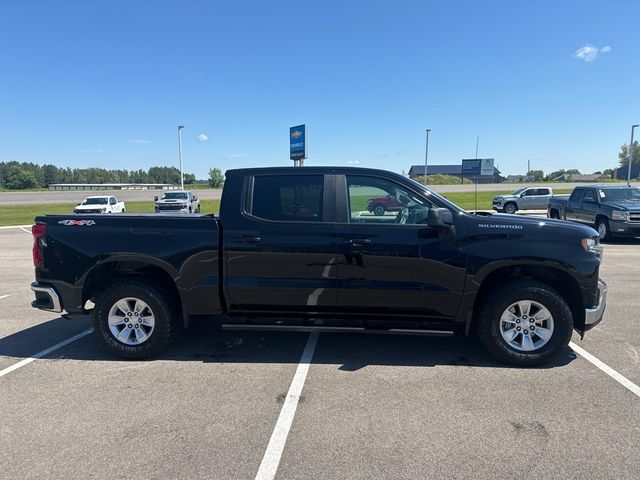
x=593 y=316
x=47 y=298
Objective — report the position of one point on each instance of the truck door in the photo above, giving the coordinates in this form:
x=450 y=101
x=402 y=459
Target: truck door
x=527 y=199
x=574 y=205
x=542 y=198
x=279 y=244
x=587 y=213
x=393 y=264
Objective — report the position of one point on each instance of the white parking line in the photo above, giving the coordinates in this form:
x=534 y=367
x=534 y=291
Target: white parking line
x=271 y=459
x=25 y=229
x=621 y=379
x=15 y=226
x=41 y=354
x=4 y=296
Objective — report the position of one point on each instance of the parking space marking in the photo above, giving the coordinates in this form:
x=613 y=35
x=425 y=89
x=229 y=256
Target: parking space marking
x=272 y=455
x=4 y=296
x=621 y=379
x=41 y=354
x=15 y=226
x=24 y=229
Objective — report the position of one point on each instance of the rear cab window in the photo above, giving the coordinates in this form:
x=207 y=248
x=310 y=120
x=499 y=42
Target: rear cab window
x=289 y=198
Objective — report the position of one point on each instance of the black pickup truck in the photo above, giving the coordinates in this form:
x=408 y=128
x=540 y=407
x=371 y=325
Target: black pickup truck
x=297 y=249
x=611 y=209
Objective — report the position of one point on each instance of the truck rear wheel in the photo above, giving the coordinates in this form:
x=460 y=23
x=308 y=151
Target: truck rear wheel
x=525 y=323
x=133 y=320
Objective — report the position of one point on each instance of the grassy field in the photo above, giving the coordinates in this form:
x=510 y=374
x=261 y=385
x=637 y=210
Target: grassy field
x=24 y=214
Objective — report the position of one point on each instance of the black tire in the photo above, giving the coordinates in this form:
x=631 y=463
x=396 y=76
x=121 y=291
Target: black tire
x=554 y=214
x=510 y=207
x=488 y=326
x=163 y=331
x=602 y=226
x=198 y=209
x=378 y=210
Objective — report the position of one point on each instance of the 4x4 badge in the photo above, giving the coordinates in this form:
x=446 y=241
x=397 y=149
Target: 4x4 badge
x=84 y=223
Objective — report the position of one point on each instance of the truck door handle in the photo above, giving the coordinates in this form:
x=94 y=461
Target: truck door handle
x=359 y=242
x=247 y=239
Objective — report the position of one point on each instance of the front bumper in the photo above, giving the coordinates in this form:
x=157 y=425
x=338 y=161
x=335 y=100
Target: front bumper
x=593 y=316
x=497 y=205
x=624 y=228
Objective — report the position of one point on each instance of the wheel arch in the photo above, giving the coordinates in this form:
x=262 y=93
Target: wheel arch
x=150 y=270
x=558 y=279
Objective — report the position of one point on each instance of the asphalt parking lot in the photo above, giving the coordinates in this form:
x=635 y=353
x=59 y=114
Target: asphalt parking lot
x=370 y=406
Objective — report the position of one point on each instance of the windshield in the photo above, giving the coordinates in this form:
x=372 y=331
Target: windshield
x=620 y=194
x=95 y=201
x=519 y=191
x=174 y=196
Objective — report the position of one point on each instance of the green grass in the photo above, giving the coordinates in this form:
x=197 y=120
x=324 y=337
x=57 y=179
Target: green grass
x=24 y=214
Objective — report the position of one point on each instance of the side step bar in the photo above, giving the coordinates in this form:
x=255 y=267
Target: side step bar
x=310 y=328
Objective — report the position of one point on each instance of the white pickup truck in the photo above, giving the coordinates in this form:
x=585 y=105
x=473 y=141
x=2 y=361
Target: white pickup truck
x=100 y=204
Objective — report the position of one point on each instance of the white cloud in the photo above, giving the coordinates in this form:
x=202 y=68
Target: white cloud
x=140 y=141
x=589 y=53
x=202 y=138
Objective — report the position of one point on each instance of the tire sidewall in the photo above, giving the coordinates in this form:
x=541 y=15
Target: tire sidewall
x=490 y=324
x=605 y=223
x=163 y=328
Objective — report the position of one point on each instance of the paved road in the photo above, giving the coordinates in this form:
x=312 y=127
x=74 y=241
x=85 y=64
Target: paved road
x=371 y=406
x=23 y=198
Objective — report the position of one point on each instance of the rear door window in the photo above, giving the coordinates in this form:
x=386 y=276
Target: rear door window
x=291 y=198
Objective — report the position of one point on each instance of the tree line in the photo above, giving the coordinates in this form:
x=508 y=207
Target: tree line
x=16 y=175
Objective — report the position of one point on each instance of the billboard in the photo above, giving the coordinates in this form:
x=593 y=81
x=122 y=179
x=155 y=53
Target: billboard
x=298 y=142
x=477 y=167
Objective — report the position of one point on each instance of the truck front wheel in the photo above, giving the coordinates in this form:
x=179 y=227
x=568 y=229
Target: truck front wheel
x=133 y=319
x=525 y=323
x=378 y=210
x=602 y=226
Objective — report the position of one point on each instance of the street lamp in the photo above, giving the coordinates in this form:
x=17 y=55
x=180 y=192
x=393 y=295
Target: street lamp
x=180 y=127
x=426 y=156
x=630 y=155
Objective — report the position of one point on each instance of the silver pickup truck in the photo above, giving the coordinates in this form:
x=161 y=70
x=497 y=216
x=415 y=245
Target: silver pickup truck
x=525 y=198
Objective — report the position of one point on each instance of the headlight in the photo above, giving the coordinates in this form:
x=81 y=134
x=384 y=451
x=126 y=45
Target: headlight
x=592 y=245
x=618 y=215
x=497 y=199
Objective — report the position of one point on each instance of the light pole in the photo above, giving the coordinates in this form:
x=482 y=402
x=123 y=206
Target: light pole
x=180 y=127
x=426 y=156
x=630 y=155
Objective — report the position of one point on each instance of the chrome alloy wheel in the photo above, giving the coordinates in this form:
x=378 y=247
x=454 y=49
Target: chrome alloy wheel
x=526 y=325
x=602 y=230
x=131 y=321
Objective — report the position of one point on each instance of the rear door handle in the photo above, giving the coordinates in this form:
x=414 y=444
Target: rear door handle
x=359 y=242
x=253 y=237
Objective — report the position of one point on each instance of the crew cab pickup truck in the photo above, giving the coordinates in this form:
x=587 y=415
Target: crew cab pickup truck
x=290 y=251
x=611 y=209
x=177 y=202
x=525 y=198
x=100 y=204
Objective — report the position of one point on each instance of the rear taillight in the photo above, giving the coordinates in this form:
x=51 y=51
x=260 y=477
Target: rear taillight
x=39 y=230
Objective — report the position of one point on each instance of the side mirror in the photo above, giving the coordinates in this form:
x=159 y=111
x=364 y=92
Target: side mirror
x=195 y=199
x=155 y=199
x=440 y=218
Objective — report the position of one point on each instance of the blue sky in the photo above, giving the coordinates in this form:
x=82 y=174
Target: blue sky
x=106 y=83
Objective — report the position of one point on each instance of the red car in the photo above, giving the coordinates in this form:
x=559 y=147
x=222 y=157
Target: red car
x=379 y=205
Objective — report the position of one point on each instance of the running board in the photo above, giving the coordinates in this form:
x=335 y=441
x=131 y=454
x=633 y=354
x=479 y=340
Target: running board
x=310 y=328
